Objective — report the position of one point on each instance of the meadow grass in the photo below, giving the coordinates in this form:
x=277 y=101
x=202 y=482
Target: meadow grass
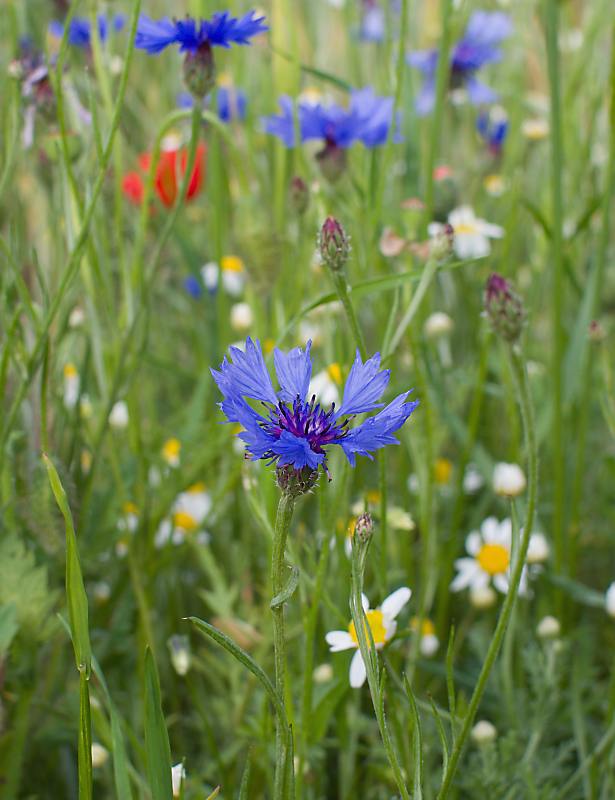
x=164 y=600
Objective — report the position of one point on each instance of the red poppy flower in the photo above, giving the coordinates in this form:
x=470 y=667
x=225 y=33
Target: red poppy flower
x=170 y=172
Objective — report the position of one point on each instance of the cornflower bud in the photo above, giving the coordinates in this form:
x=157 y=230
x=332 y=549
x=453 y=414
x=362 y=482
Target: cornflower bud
x=200 y=71
x=364 y=527
x=334 y=245
x=504 y=308
x=296 y=481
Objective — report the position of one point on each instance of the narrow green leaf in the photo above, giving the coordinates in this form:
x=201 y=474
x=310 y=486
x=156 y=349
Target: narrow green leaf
x=247 y=661
x=157 y=748
x=8 y=627
x=245 y=779
x=288 y=591
x=76 y=598
x=417 y=741
x=325 y=709
x=441 y=734
x=84 y=751
x=450 y=683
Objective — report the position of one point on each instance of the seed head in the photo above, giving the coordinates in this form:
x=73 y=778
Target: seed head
x=296 y=481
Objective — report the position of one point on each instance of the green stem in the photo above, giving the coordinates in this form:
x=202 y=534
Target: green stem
x=527 y=415
x=557 y=286
x=368 y=654
x=341 y=287
x=280 y=534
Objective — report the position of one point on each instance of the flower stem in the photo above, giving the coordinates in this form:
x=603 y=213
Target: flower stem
x=527 y=416
x=280 y=534
x=368 y=654
x=341 y=288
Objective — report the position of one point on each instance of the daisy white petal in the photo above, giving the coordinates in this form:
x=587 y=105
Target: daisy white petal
x=358 y=673
x=339 y=640
x=393 y=604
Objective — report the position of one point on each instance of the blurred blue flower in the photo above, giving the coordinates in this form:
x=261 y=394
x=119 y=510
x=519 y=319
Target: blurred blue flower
x=368 y=119
x=193 y=286
x=479 y=46
x=231 y=103
x=373 y=22
x=294 y=430
x=221 y=30
x=493 y=129
x=79 y=30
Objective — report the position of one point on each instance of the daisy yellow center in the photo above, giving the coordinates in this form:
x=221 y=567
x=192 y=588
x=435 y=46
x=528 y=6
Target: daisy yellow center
x=375 y=620
x=268 y=346
x=373 y=497
x=185 y=521
x=442 y=470
x=426 y=627
x=70 y=371
x=130 y=508
x=197 y=488
x=231 y=264
x=493 y=558
x=171 y=448
x=334 y=372
x=351 y=527
x=466 y=228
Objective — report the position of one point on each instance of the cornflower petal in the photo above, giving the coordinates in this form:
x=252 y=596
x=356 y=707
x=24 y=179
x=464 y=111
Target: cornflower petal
x=364 y=386
x=246 y=375
x=155 y=35
x=296 y=450
x=294 y=371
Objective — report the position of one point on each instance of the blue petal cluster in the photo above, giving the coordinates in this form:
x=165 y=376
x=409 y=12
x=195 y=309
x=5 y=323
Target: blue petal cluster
x=231 y=103
x=479 y=46
x=221 y=30
x=493 y=129
x=368 y=119
x=295 y=430
x=79 y=30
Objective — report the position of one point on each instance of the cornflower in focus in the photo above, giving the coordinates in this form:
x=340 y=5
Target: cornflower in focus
x=197 y=39
x=295 y=433
x=368 y=119
x=382 y=624
x=478 y=46
x=170 y=172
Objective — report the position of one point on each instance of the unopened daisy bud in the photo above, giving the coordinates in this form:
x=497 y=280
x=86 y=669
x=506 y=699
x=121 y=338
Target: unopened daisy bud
x=483 y=732
x=118 y=418
x=323 y=673
x=438 y=324
x=609 y=600
x=548 y=628
x=503 y=308
x=364 y=527
x=296 y=481
x=200 y=71
x=334 y=245
x=442 y=241
x=242 y=317
x=181 y=658
x=178 y=776
x=538 y=549
x=508 y=480
x=299 y=195
x=100 y=755
x=101 y=591
x=76 y=317
x=482 y=597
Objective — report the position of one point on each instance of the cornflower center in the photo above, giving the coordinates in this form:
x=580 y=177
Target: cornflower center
x=493 y=558
x=375 y=620
x=306 y=421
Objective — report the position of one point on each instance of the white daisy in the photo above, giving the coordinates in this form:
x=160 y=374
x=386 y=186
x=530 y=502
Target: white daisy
x=429 y=642
x=471 y=234
x=188 y=513
x=233 y=275
x=489 y=560
x=118 y=417
x=508 y=480
x=178 y=776
x=382 y=624
x=71 y=386
x=326 y=385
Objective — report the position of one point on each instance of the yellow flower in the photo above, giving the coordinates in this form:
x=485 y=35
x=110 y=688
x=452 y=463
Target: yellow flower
x=171 y=451
x=442 y=470
x=334 y=371
x=231 y=264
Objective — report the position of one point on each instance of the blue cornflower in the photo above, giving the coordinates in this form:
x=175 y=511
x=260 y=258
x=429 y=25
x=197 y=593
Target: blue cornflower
x=79 y=31
x=368 y=119
x=231 y=103
x=193 y=286
x=221 y=30
x=296 y=431
x=479 y=46
x=493 y=129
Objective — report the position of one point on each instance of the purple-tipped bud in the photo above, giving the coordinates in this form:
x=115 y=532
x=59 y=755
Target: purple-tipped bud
x=200 y=71
x=504 y=308
x=364 y=527
x=332 y=162
x=299 y=195
x=334 y=245
x=442 y=243
x=296 y=481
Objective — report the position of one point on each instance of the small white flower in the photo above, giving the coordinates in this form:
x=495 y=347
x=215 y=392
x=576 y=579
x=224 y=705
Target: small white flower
x=609 y=600
x=181 y=658
x=483 y=732
x=508 y=480
x=471 y=234
x=209 y=274
x=178 y=776
x=548 y=628
x=118 y=418
x=326 y=385
x=100 y=755
x=538 y=549
x=76 y=318
x=188 y=514
x=472 y=479
x=171 y=451
x=482 y=597
x=382 y=624
x=242 y=317
x=429 y=642
x=489 y=560
x=323 y=673
x=101 y=591
x=438 y=324
x=535 y=129
x=71 y=386
x=233 y=275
